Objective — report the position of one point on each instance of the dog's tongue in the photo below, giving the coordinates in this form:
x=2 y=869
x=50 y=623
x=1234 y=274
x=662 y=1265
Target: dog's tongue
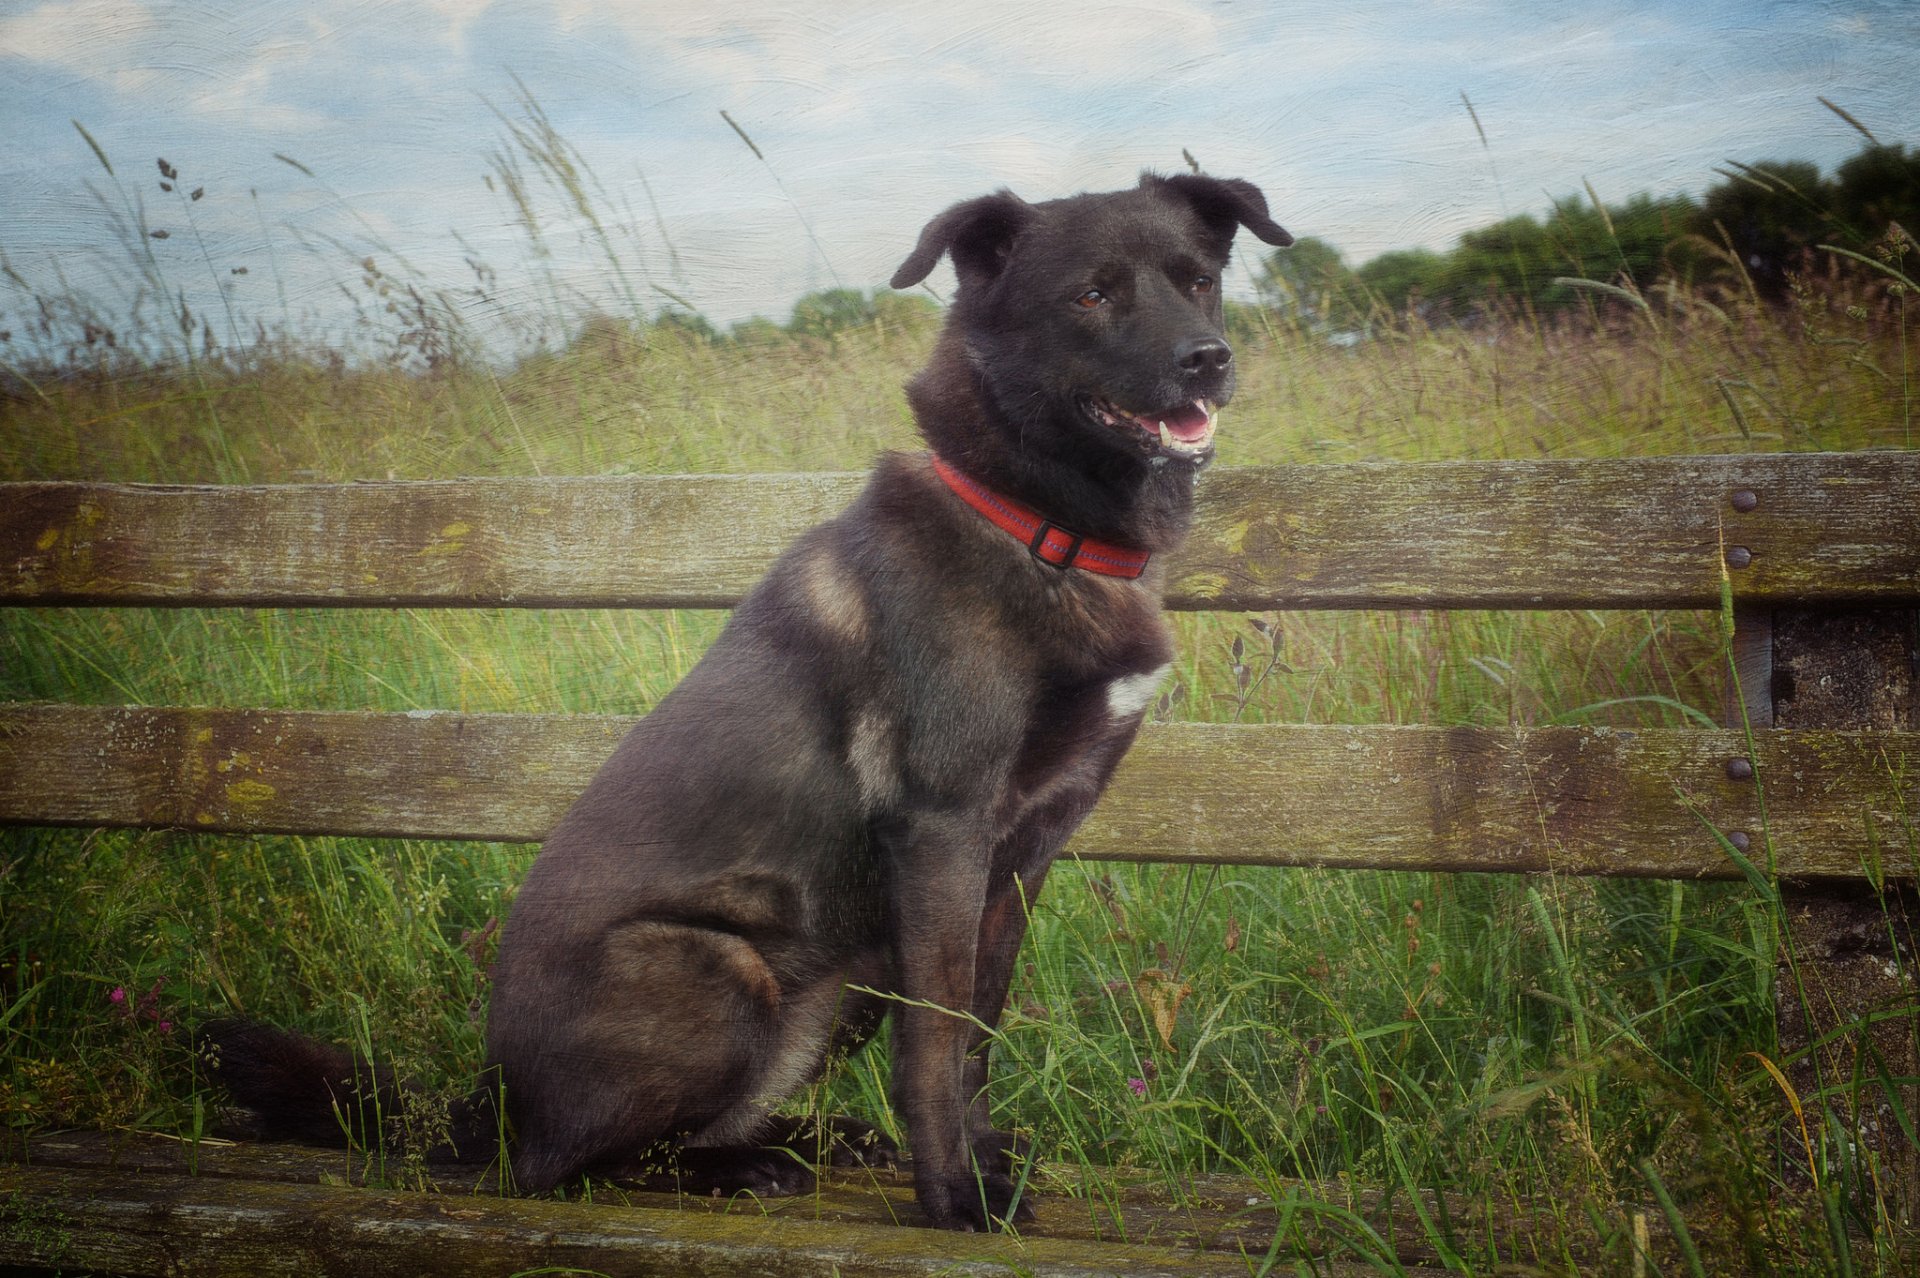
x=1187 y=423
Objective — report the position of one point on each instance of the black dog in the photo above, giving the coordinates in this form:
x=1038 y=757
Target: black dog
x=846 y=807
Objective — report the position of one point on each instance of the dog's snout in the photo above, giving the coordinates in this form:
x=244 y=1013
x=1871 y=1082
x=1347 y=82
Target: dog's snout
x=1197 y=355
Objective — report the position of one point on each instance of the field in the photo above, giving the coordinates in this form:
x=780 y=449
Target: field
x=1571 y=1042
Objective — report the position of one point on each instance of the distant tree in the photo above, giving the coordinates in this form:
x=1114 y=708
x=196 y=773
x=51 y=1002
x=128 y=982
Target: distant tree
x=1247 y=321
x=1651 y=235
x=1311 y=284
x=1770 y=215
x=675 y=322
x=604 y=337
x=1578 y=242
x=1636 y=244
x=830 y=311
x=756 y=330
x=1403 y=278
x=904 y=311
x=1511 y=259
x=1876 y=189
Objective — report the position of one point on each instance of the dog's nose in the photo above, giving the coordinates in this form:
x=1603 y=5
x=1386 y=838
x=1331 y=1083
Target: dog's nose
x=1202 y=355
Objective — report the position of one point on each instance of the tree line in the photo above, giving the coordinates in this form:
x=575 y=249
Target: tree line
x=1756 y=227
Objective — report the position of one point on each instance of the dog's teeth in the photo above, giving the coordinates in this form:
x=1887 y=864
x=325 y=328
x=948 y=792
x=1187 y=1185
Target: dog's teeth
x=1166 y=436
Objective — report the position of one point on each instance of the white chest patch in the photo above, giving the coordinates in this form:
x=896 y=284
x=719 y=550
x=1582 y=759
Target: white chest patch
x=1129 y=694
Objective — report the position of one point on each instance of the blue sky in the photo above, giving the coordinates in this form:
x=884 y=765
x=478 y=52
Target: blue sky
x=871 y=118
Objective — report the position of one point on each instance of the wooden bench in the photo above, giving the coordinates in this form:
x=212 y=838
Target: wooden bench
x=1813 y=788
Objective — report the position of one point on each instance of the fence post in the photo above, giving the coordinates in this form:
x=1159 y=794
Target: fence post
x=1849 y=951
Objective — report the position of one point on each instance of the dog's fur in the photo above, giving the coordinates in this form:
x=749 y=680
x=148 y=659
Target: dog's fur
x=846 y=807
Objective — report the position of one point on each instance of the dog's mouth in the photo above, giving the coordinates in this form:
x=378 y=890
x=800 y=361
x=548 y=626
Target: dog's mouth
x=1185 y=430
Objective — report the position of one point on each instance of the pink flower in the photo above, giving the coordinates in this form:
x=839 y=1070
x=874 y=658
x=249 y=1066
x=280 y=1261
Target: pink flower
x=166 y=1027
x=1138 y=1086
x=119 y=994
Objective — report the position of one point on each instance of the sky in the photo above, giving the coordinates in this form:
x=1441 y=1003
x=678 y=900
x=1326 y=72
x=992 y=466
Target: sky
x=868 y=119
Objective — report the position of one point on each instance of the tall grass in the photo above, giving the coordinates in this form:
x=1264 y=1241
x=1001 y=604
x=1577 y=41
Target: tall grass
x=1563 y=1044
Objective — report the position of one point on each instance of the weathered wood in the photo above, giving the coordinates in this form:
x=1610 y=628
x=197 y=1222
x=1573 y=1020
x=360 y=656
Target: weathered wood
x=1749 y=693
x=135 y=1223
x=1615 y=533
x=1612 y=533
x=1851 y=949
x=1576 y=800
x=1209 y=1213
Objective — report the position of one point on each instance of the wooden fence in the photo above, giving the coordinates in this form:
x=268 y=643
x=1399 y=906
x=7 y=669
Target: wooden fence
x=1818 y=556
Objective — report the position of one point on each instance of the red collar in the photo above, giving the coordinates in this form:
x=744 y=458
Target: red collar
x=1047 y=541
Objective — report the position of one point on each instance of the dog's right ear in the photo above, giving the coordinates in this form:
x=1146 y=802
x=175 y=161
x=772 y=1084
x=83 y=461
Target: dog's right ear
x=978 y=233
x=1224 y=204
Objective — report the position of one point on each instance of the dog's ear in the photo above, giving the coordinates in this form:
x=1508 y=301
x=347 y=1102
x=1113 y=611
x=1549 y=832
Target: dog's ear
x=977 y=233
x=1224 y=204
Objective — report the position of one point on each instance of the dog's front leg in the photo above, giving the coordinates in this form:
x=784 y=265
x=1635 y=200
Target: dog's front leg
x=1003 y=925
x=939 y=888
x=1030 y=851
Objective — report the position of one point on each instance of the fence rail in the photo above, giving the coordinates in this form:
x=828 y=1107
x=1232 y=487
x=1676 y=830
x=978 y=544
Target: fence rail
x=1656 y=803
x=1623 y=533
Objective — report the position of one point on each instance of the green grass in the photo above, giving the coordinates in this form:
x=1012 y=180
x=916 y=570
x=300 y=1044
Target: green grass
x=1578 y=1043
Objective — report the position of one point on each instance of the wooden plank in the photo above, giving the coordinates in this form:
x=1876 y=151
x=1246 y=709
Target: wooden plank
x=1219 y=1213
x=419 y=774
x=1615 y=533
x=1578 y=800
x=1749 y=694
x=135 y=1223
x=690 y=541
x=1610 y=533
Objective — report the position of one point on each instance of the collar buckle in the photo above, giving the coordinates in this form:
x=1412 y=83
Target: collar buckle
x=1040 y=550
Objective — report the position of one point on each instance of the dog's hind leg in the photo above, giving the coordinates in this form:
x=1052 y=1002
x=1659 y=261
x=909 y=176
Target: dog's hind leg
x=696 y=1046
x=767 y=1152
x=835 y=1139
x=674 y=1024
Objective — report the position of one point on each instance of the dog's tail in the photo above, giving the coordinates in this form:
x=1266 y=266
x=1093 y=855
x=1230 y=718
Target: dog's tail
x=300 y=1089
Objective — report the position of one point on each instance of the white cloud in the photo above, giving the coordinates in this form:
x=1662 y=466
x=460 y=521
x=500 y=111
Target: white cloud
x=248 y=89
x=747 y=42
x=457 y=16
x=109 y=40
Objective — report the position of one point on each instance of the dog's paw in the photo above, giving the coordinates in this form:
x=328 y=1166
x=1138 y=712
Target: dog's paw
x=974 y=1204
x=835 y=1140
x=764 y=1173
x=1000 y=1152
x=852 y=1143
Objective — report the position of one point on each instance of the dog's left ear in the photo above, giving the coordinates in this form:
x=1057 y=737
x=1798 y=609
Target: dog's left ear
x=977 y=232
x=1224 y=204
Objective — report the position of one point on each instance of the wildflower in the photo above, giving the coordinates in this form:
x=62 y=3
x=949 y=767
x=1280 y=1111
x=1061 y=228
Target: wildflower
x=1138 y=1086
x=118 y=996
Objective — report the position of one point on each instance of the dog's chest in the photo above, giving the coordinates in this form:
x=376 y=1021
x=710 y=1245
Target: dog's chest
x=1076 y=731
x=1129 y=694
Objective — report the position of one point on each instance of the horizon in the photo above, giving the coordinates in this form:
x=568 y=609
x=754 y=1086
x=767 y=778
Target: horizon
x=742 y=158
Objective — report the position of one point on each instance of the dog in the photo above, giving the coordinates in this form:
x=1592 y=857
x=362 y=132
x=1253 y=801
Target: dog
x=846 y=808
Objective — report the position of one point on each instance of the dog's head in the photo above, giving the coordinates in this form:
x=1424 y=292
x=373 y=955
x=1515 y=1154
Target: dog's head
x=1098 y=317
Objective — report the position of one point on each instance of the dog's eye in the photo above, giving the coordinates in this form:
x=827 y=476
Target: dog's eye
x=1091 y=298
x=1203 y=284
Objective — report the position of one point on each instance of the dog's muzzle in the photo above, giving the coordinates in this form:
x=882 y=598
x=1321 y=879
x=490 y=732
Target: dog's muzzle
x=1185 y=430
